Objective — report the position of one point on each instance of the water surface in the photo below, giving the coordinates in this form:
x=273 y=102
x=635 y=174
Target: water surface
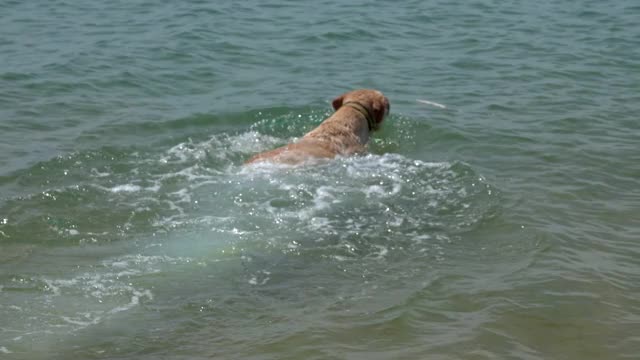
x=504 y=226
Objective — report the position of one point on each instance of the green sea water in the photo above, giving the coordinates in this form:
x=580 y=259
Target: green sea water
x=503 y=226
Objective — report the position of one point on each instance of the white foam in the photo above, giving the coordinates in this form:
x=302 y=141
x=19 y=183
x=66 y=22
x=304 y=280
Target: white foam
x=55 y=285
x=183 y=196
x=395 y=221
x=431 y=103
x=191 y=173
x=235 y=231
x=184 y=152
x=374 y=190
x=324 y=198
x=264 y=167
x=96 y=173
x=81 y=323
x=220 y=146
x=125 y=188
x=421 y=238
x=252 y=142
x=133 y=272
x=4 y=350
x=135 y=300
x=155 y=187
x=128 y=261
x=318 y=223
x=119 y=264
x=255 y=279
x=382 y=252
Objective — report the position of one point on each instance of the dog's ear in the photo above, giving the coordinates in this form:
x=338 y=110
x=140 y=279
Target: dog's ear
x=337 y=102
x=380 y=109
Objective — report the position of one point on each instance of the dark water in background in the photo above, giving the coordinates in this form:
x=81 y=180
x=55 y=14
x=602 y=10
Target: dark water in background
x=505 y=226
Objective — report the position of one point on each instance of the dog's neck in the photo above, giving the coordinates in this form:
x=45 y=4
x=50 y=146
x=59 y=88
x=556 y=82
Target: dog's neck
x=344 y=129
x=362 y=110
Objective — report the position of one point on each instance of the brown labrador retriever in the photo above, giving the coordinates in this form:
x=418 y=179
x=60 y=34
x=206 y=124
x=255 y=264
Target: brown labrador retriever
x=346 y=132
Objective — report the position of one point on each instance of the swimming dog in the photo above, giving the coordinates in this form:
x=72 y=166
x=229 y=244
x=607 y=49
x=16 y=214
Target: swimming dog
x=357 y=114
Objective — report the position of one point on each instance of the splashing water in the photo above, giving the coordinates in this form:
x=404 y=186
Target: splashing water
x=193 y=207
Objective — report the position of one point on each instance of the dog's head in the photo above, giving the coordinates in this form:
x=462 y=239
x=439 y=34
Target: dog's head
x=376 y=104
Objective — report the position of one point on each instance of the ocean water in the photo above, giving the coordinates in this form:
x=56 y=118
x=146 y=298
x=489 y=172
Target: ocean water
x=503 y=226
